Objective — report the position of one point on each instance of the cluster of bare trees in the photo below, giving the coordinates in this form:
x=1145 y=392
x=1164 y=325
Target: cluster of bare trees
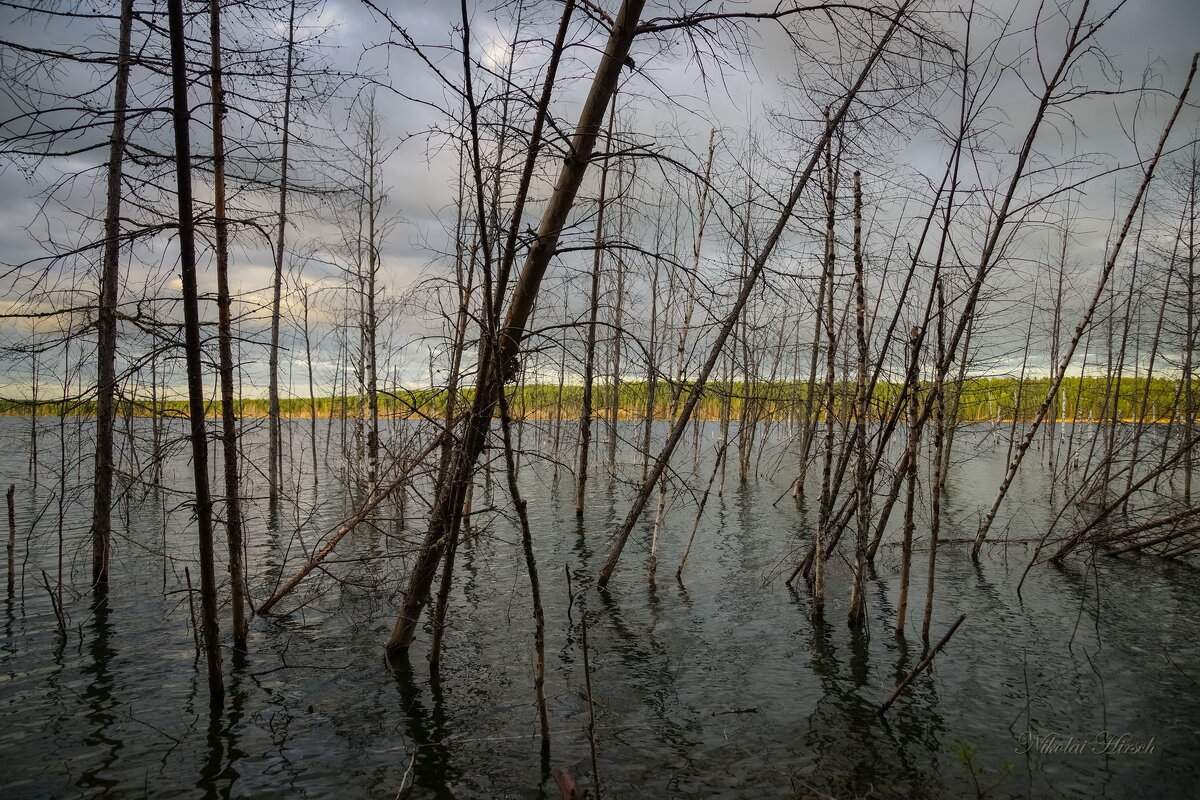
x=607 y=290
x=184 y=97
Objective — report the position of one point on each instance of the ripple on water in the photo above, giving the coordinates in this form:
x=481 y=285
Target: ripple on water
x=724 y=686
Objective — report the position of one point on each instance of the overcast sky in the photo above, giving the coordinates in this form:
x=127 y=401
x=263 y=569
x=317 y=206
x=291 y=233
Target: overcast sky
x=670 y=91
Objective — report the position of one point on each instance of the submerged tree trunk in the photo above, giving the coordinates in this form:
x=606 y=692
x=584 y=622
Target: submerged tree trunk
x=535 y=586
x=306 y=331
x=589 y=356
x=370 y=321
x=195 y=378
x=828 y=395
x=939 y=465
x=106 y=321
x=856 y=616
x=910 y=484
x=229 y=446
x=499 y=362
x=727 y=325
x=614 y=398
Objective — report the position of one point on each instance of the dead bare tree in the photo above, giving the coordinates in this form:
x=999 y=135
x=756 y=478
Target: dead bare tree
x=191 y=330
x=1069 y=352
x=229 y=428
x=589 y=355
x=747 y=287
x=106 y=321
x=275 y=425
x=499 y=359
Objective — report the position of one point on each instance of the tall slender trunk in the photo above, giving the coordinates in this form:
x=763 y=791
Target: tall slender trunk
x=12 y=540
x=106 y=322
x=490 y=321
x=361 y=414
x=1187 y=377
x=275 y=425
x=466 y=290
x=560 y=397
x=589 y=356
x=939 y=439
x=312 y=392
x=614 y=398
x=535 y=586
x=195 y=378
x=910 y=500
x=745 y=441
x=690 y=302
x=462 y=279
x=828 y=390
x=952 y=410
x=808 y=421
x=724 y=413
x=35 y=382
x=155 y=424
x=229 y=433
x=371 y=321
x=1117 y=380
x=858 y=591
x=1055 y=337
x=651 y=388
x=688 y=310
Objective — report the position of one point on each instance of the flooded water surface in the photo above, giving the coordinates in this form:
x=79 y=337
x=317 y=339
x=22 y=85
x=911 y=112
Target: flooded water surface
x=723 y=684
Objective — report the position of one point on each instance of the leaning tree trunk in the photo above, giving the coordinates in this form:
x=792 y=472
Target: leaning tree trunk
x=106 y=322
x=446 y=474
x=195 y=379
x=730 y=321
x=1051 y=393
x=499 y=363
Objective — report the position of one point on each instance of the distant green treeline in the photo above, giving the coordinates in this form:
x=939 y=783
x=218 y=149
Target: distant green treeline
x=1094 y=397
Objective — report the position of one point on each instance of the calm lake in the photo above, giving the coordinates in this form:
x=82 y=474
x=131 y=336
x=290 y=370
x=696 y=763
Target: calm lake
x=720 y=686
